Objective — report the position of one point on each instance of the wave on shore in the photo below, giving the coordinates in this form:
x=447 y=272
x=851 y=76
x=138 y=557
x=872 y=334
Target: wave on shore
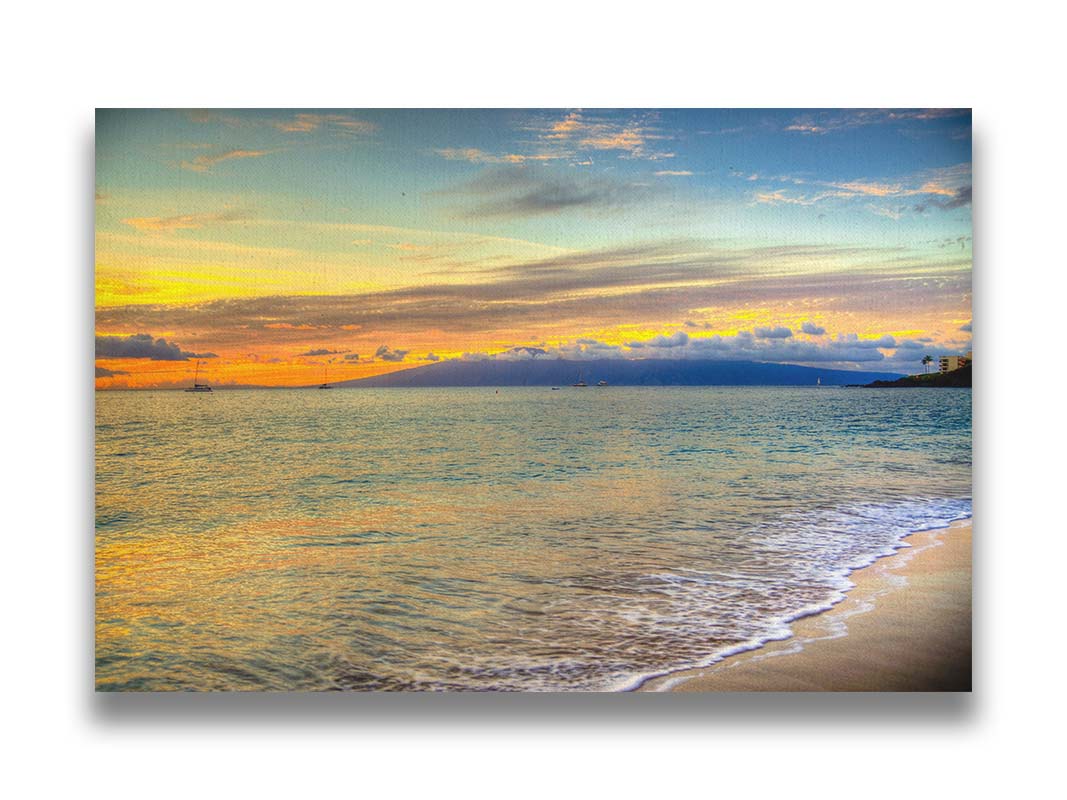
x=855 y=536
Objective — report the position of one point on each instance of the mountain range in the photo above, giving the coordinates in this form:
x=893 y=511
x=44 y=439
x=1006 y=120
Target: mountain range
x=615 y=372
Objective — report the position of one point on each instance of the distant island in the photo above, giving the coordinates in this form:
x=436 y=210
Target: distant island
x=615 y=372
x=956 y=379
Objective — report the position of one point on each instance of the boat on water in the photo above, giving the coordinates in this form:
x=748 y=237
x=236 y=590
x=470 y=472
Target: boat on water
x=602 y=383
x=580 y=381
x=325 y=383
x=197 y=386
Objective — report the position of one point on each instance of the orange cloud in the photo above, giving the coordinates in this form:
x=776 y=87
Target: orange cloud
x=476 y=156
x=567 y=138
x=183 y=221
x=471 y=154
x=935 y=187
x=948 y=182
x=585 y=133
x=306 y=123
x=870 y=188
x=565 y=127
x=778 y=196
x=205 y=163
x=630 y=139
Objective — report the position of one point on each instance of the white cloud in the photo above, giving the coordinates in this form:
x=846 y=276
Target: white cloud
x=844 y=350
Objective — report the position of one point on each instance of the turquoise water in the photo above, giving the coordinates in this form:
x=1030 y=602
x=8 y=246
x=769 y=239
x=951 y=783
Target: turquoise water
x=467 y=539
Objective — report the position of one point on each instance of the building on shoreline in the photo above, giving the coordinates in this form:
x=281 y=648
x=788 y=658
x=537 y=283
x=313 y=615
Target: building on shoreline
x=952 y=363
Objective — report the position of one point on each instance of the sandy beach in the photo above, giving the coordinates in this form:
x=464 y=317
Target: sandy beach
x=906 y=626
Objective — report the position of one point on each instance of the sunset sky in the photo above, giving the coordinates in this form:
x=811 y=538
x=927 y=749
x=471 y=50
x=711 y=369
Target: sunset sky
x=272 y=244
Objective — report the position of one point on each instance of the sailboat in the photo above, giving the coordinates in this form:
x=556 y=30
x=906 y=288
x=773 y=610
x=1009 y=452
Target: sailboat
x=818 y=381
x=580 y=381
x=325 y=383
x=197 y=386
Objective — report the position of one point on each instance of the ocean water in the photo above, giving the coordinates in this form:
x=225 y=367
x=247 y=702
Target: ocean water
x=469 y=539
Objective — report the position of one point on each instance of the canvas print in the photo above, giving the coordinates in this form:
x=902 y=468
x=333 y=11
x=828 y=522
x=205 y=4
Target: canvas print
x=533 y=400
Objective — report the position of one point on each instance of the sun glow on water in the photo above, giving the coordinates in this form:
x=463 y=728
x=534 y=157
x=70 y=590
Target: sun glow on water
x=468 y=539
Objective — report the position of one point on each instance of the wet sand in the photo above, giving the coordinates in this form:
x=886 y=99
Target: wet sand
x=906 y=627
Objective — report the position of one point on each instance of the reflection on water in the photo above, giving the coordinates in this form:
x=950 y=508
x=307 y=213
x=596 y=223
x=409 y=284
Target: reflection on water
x=464 y=539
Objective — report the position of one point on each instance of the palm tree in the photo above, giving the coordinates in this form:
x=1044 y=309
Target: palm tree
x=927 y=360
